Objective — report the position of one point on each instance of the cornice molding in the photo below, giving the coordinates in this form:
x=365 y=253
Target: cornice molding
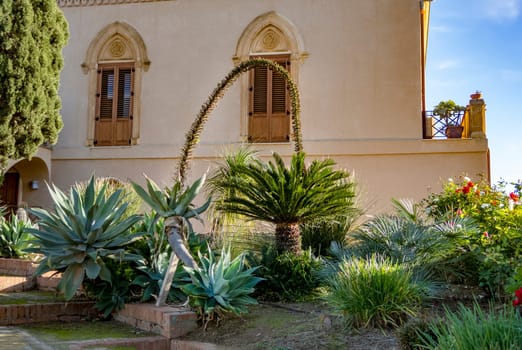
x=81 y=3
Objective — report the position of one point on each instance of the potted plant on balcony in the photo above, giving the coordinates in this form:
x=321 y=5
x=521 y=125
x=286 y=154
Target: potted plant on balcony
x=451 y=115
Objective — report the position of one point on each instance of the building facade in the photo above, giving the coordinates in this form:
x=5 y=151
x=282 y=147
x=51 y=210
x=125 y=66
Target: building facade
x=137 y=72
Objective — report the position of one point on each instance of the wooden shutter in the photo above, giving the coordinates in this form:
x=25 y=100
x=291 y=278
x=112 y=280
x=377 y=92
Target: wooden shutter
x=269 y=117
x=258 y=123
x=114 y=105
x=280 y=117
x=123 y=125
x=104 y=107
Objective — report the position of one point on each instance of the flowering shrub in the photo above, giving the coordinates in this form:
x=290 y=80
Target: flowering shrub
x=499 y=217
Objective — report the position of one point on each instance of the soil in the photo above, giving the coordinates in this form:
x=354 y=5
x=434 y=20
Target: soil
x=275 y=326
x=294 y=326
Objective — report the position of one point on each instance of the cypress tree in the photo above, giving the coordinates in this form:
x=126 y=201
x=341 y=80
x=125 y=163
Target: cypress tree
x=32 y=35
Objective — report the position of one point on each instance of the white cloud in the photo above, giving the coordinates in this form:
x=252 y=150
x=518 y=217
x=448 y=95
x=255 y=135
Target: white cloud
x=446 y=64
x=499 y=9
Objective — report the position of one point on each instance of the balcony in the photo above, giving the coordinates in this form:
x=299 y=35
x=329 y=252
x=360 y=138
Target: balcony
x=454 y=125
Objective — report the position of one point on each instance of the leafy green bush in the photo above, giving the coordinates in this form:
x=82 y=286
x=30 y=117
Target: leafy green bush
x=375 y=292
x=220 y=286
x=471 y=329
x=412 y=333
x=287 y=276
x=499 y=217
x=440 y=250
x=319 y=235
x=14 y=237
x=85 y=229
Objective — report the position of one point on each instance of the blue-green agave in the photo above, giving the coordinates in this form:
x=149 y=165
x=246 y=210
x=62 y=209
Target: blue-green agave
x=84 y=229
x=220 y=286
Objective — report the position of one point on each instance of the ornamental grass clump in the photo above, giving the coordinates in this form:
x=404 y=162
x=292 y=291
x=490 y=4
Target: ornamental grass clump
x=374 y=292
x=473 y=328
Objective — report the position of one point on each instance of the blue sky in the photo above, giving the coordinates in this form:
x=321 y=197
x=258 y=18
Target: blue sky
x=477 y=45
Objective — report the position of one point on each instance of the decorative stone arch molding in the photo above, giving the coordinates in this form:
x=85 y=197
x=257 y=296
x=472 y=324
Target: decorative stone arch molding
x=268 y=34
x=116 y=43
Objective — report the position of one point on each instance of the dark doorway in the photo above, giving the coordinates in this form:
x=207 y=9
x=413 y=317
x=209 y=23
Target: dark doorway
x=9 y=192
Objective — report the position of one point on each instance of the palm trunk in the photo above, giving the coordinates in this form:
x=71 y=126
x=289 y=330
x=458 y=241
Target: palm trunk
x=288 y=238
x=173 y=226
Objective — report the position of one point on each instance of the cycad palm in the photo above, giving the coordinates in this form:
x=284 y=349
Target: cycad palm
x=285 y=196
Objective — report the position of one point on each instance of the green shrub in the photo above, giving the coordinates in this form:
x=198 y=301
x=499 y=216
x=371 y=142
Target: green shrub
x=288 y=276
x=496 y=244
x=14 y=237
x=412 y=333
x=318 y=236
x=439 y=249
x=471 y=329
x=220 y=286
x=375 y=292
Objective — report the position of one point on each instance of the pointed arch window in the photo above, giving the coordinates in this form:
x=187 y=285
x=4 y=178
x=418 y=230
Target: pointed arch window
x=265 y=99
x=114 y=63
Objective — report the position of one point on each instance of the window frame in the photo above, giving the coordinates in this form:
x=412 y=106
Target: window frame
x=120 y=126
x=268 y=126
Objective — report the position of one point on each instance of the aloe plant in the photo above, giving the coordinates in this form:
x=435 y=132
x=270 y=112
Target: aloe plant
x=175 y=205
x=220 y=286
x=85 y=228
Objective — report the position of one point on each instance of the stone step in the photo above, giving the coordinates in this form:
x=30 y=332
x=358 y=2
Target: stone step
x=168 y=321
x=17 y=275
x=59 y=311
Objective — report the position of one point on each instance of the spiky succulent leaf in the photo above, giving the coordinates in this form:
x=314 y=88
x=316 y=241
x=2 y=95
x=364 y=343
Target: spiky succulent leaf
x=85 y=228
x=220 y=285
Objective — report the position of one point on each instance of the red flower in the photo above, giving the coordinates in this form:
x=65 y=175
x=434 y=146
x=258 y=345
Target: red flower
x=493 y=202
x=516 y=302
x=470 y=184
x=514 y=196
x=518 y=293
x=466 y=189
x=486 y=234
x=459 y=212
x=457 y=190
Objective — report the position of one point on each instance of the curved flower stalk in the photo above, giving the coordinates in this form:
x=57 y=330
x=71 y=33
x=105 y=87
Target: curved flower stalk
x=192 y=137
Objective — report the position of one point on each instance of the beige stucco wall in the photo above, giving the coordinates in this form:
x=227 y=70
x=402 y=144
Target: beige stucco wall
x=360 y=87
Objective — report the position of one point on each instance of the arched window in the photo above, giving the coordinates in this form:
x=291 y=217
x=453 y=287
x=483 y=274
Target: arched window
x=265 y=103
x=114 y=62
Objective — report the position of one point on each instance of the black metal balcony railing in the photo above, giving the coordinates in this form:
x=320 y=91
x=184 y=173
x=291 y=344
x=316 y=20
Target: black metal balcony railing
x=435 y=126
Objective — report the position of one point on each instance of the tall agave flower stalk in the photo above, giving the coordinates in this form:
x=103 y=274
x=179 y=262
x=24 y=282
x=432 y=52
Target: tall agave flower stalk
x=192 y=137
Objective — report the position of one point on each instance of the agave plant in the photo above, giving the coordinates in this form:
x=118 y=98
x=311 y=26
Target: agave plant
x=285 y=196
x=220 y=286
x=175 y=205
x=155 y=251
x=84 y=229
x=15 y=238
